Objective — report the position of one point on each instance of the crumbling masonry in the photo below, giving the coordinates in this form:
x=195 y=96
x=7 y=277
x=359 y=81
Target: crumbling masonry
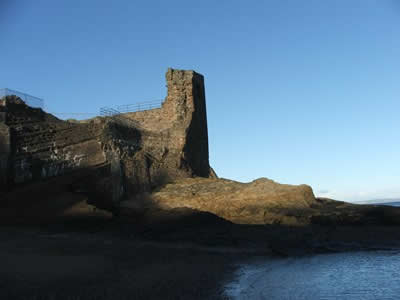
x=106 y=159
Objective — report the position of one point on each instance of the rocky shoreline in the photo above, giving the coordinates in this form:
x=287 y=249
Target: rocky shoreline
x=177 y=254
x=183 y=240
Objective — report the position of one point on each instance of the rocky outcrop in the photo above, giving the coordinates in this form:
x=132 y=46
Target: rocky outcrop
x=4 y=155
x=156 y=163
x=262 y=201
x=40 y=146
x=118 y=156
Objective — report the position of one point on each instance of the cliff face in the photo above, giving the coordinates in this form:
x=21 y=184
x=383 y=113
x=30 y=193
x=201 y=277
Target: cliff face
x=110 y=157
x=36 y=145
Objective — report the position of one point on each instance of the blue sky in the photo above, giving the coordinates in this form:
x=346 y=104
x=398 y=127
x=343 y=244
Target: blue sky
x=297 y=91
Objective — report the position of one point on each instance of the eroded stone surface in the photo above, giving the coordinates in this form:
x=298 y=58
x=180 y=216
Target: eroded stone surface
x=262 y=201
x=116 y=159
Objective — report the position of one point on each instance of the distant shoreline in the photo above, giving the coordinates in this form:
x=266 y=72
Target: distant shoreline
x=387 y=201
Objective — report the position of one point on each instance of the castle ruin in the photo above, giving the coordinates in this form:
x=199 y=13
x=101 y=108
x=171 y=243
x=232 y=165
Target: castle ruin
x=107 y=159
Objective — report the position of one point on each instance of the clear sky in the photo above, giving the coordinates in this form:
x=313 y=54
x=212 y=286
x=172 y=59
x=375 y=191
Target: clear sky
x=297 y=91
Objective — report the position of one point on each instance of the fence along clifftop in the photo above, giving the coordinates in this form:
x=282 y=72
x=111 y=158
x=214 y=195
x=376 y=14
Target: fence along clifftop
x=28 y=99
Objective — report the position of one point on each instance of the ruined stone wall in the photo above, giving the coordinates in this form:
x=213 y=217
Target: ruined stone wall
x=196 y=147
x=43 y=146
x=152 y=120
x=46 y=150
x=177 y=132
x=121 y=158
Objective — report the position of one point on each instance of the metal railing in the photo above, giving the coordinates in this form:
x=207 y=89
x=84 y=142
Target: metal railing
x=28 y=99
x=118 y=117
x=139 y=106
x=74 y=115
x=117 y=113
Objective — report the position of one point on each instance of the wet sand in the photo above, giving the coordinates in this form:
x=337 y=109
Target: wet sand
x=44 y=263
x=186 y=256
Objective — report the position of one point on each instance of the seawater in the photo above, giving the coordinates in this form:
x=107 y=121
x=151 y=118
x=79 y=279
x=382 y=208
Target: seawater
x=352 y=275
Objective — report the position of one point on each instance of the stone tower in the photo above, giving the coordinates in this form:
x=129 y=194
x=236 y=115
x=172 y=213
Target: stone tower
x=186 y=105
x=115 y=159
x=175 y=136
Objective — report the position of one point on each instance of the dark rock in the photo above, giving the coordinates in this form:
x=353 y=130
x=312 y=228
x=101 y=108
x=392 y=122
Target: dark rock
x=117 y=156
